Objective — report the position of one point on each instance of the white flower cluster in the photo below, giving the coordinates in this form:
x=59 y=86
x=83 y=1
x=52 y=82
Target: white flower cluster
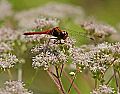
x=48 y=55
x=69 y=42
x=48 y=58
x=97 y=31
x=45 y=22
x=51 y=53
x=7 y=60
x=103 y=89
x=97 y=58
x=7 y=34
x=39 y=48
x=5 y=9
x=14 y=87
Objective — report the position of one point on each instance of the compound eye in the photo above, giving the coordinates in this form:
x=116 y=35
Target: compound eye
x=65 y=35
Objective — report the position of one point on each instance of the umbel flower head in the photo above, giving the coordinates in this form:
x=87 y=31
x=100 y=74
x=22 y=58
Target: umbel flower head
x=48 y=55
x=7 y=60
x=97 y=58
x=103 y=89
x=8 y=37
x=51 y=53
x=97 y=31
x=14 y=87
x=7 y=34
x=45 y=59
x=45 y=22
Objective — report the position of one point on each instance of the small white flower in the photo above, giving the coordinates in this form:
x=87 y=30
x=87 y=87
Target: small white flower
x=7 y=60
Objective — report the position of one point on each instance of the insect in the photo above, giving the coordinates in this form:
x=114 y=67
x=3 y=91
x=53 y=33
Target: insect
x=56 y=31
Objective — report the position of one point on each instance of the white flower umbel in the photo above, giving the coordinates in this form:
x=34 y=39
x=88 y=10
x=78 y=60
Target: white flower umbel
x=51 y=53
x=103 y=89
x=97 y=31
x=97 y=58
x=45 y=22
x=8 y=34
x=5 y=9
x=14 y=87
x=47 y=58
x=79 y=57
x=7 y=60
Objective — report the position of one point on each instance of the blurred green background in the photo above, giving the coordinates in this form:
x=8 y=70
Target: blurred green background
x=103 y=10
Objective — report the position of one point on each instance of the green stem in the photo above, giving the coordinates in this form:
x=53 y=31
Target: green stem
x=115 y=76
x=119 y=78
x=54 y=78
x=96 y=82
x=61 y=70
x=72 y=82
x=59 y=81
x=20 y=72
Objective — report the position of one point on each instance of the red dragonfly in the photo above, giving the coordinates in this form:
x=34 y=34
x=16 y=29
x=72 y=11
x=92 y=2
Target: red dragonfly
x=56 y=31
